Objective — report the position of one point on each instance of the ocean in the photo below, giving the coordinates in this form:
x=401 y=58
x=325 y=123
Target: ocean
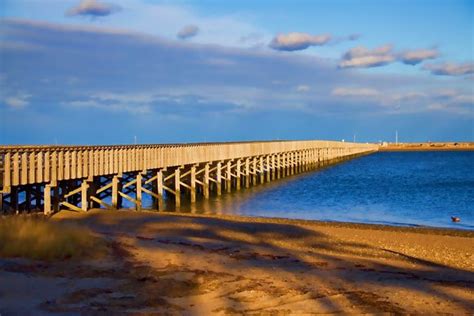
x=392 y=188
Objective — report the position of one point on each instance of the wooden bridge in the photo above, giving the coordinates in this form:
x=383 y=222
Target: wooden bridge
x=47 y=178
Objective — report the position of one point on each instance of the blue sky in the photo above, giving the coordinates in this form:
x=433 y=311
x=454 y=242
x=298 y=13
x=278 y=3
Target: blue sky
x=99 y=72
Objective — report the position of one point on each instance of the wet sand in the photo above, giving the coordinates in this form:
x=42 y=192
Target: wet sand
x=201 y=265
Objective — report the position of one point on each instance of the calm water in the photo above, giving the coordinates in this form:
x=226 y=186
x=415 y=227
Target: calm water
x=410 y=188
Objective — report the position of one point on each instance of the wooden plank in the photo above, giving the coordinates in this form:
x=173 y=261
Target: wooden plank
x=79 y=163
x=71 y=193
x=24 y=168
x=104 y=204
x=7 y=172
x=71 y=206
x=32 y=168
x=47 y=166
x=67 y=165
x=39 y=167
x=125 y=196
x=90 y=164
x=74 y=168
x=60 y=166
x=105 y=187
x=95 y=163
x=16 y=169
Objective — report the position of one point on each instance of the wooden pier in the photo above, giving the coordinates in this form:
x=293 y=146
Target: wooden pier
x=49 y=178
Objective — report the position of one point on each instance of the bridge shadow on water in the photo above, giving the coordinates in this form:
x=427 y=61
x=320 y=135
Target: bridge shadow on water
x=173 y=263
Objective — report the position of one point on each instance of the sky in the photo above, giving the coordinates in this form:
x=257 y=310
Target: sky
x=150 y=71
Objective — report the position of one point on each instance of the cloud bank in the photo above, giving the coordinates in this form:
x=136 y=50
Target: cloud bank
x=82 y=74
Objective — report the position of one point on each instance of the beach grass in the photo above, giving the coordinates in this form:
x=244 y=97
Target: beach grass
x=42 y=239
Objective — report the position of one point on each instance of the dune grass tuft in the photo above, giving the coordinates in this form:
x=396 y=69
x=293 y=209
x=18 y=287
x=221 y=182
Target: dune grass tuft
x=42 y=239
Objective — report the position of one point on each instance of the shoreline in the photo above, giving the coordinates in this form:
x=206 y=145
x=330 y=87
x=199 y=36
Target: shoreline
x=436 y=146
x=448 y=231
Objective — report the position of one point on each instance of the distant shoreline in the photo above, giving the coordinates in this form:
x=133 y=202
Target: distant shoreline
x=451 y=146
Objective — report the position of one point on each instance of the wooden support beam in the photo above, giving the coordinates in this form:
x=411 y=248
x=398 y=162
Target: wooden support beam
x=158 y=190
x=272 y=171
x=278 y=166
x=219 y=178
x=268 y=168
x=262 y=170
x=47 y=209
x=84 y=196
x=193 y=183
x=293 y=162
x=205 y=184
x=238 y=172
x=115 y=189
x=228 y=178
x=138 y=192
x=247 y=173
x=177 y=187
x=254 y=174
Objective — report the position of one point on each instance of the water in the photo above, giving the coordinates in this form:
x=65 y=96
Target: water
x=409 y=188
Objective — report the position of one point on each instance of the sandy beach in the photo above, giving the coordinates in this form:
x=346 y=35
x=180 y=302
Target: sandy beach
x=200 y=265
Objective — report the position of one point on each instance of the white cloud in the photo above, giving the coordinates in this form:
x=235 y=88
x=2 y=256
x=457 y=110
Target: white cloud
x=17 y=101
x=93 y=8
x=112 y=107
x=303 y=88
x=167 y=17
x=188 y=78
x=354 y=92
x=450 y=69
x=188 y=31
x=363 y=57
x=417 y=56
x=298 y=41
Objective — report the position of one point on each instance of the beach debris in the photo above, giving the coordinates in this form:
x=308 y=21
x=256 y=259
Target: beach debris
x=455 y=219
